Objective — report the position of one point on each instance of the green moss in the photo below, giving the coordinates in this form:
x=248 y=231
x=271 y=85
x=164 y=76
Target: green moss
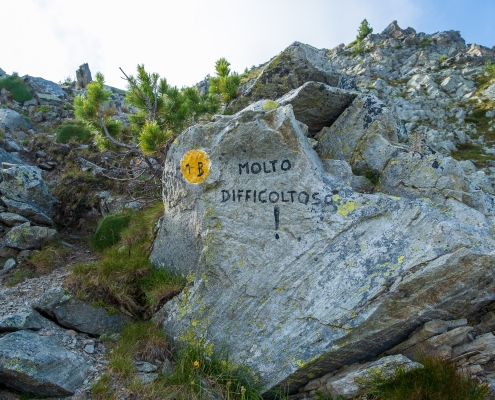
x=109 y=230
x=473 y=152
x=17 y=88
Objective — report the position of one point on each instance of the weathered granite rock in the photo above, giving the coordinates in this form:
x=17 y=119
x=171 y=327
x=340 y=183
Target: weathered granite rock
x=11 y=219
x=83 y=75
x=25 y=184
x=317 y=105
x=292 y=271
x=350 y=381
x=43 y=86
x=40 y=365
x=79 y=315
x=25 y=237
x=365 y=132
x=12 y=120
x=10 y=158
x=297 y=64
x=27 y=210
x=22 y=320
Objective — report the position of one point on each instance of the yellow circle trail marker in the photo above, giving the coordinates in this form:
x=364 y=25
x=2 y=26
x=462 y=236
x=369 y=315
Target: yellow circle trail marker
x=195 y=166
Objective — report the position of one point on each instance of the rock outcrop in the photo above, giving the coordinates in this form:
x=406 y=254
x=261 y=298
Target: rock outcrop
x=290 y=269
x=39 y=365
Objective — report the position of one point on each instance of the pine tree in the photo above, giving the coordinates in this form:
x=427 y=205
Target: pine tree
x=225 y=84
x=364 y=30
x=161 y=113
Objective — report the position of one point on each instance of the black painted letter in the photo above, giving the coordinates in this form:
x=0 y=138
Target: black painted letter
x=241 y=166
x=285 y=165
x=258 y=168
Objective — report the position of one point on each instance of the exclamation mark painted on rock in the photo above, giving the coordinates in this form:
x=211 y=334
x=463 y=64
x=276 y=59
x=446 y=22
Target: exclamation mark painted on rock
x=276 y=213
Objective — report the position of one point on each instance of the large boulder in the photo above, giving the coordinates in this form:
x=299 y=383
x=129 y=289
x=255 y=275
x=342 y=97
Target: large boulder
x=23 y=183
x=366 y=133
x=290 y=270
x=40 y=365
x=317 y=105
x=297 y=64
x=79 y=315
x=46 y=92
x=12 y=120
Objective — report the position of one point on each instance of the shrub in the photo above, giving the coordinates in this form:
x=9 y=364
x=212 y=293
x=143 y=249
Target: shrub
x=109 y=230
x=443 y=58
x=425 y=42
x=437 y=380
x=490 y=69
x=44 y=108
x=74 y=129
x=16 y=86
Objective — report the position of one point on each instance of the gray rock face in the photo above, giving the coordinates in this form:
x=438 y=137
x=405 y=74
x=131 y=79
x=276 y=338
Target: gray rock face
x=290 y=268
x=12 y=120
x=25 y=184
x=297 y=64
x=2 y=72
x=19 y=321
x=25 y=237
x=79 y=315
x=83 y=75
x=27 y=211
x=39 y=365
x=366 y=132
x=10 y=158
x=11 y=219
x=317 y=105
x=43 y=86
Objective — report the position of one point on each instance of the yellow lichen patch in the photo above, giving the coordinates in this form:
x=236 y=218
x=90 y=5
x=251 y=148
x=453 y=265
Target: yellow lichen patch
x=345 y=208
x=195 y=166
x=400 y=260
x=270 y=105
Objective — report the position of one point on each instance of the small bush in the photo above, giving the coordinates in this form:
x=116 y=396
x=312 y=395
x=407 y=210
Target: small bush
x=443 y=58
x=437 y=380
x=425 y=42
x=109 y=230
x=490 y=69
x=44 y=108
x=16 y=86
x=74 y=129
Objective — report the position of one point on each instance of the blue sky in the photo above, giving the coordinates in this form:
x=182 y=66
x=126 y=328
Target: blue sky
x=181 y=40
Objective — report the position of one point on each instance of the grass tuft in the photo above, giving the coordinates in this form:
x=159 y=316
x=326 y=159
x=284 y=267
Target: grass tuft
x=75 y=129
x=437 y=380
x=123 y=276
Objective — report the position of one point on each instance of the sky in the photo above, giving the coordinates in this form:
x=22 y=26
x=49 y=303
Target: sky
x=182 y=39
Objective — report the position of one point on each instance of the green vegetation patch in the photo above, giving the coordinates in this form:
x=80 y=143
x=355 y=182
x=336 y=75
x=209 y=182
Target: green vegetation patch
x=109 y=230
x=197 y=375
x=16 y=86
x=123 y=277
x=473 y=152
x=437 y=380
x=74 y=129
